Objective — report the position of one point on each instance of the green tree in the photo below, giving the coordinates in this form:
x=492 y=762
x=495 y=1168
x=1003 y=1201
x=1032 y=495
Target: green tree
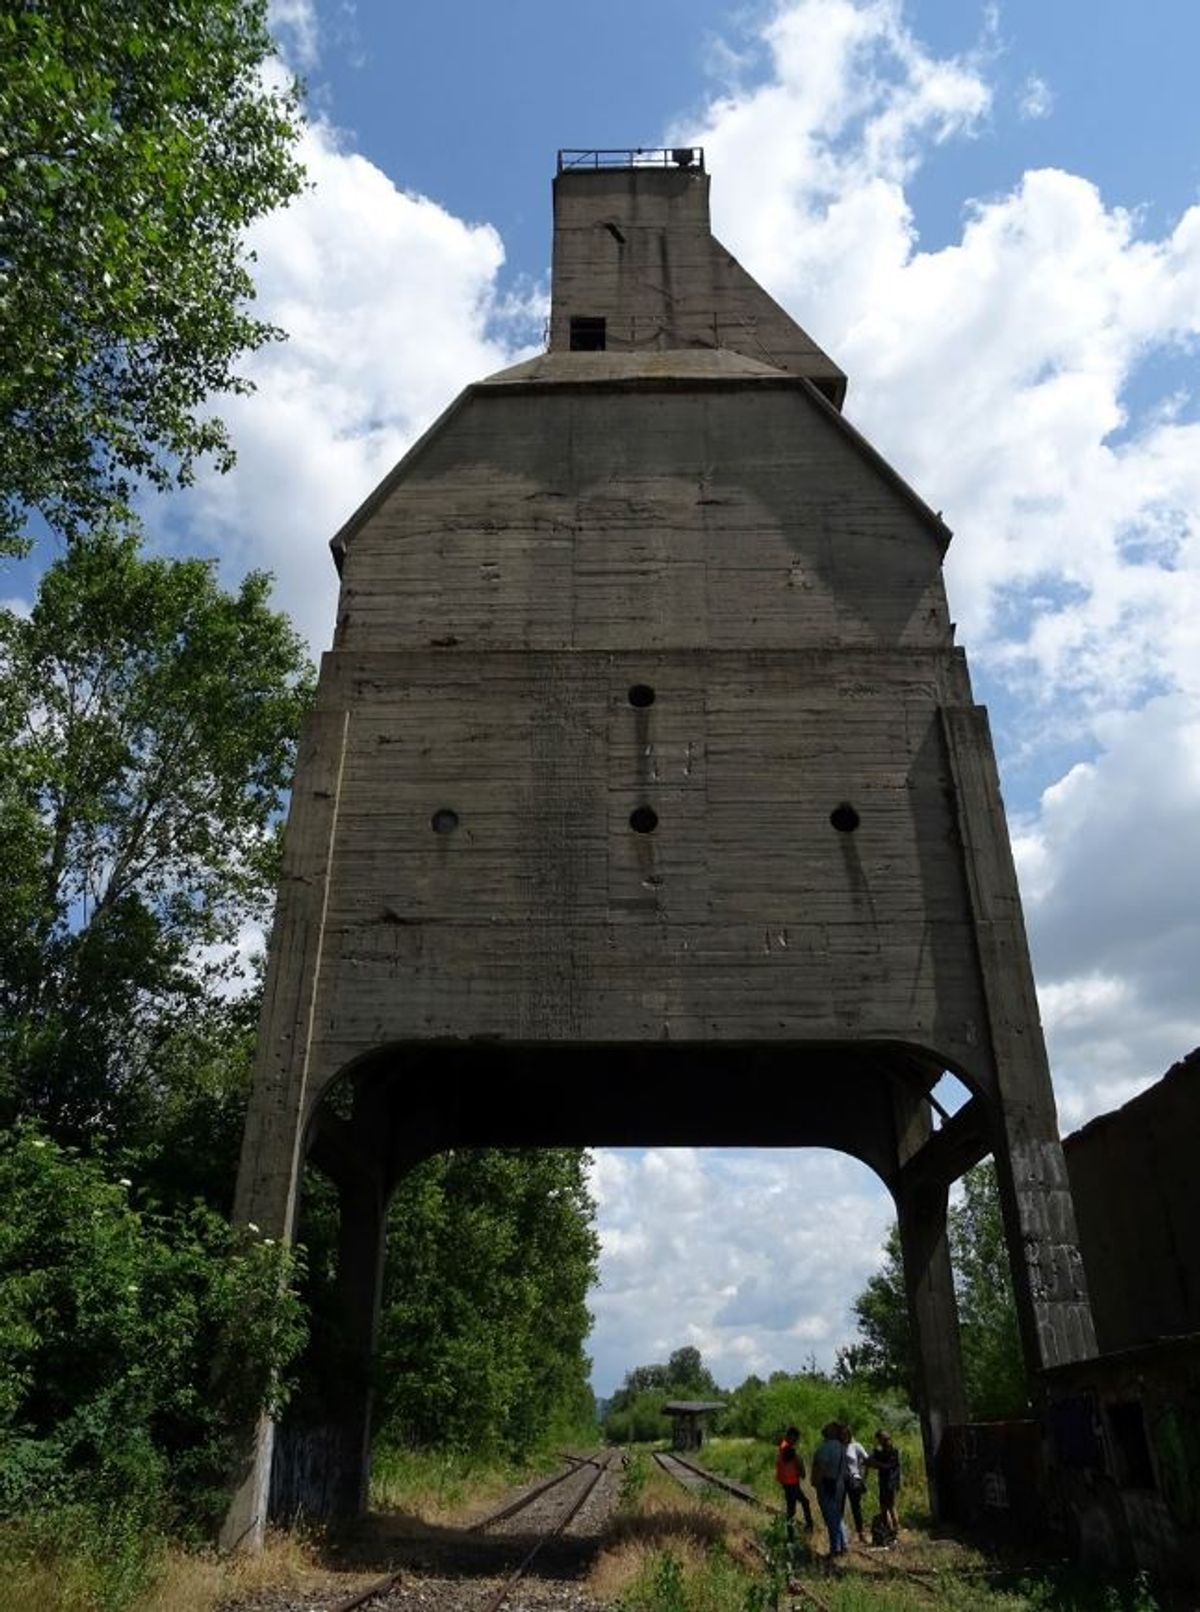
x=139 y=141
x=686 y=1371
x=634 y=1413
x=883 y=1352
x=809 y=1398
x=490 y=1256
x=992 y=1361
x=148 y=726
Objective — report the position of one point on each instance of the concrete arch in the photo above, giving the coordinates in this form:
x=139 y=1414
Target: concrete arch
x=414 y=1098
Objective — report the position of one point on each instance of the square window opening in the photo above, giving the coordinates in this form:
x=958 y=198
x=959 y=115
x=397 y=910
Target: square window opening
x=588 y=335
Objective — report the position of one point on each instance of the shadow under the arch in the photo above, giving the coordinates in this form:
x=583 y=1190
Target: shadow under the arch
x=421 y=1098
x=386 y=1541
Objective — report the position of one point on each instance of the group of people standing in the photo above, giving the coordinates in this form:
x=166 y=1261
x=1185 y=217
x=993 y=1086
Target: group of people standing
x=838 y=1472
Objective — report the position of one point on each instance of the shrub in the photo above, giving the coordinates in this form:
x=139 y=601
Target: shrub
x=134 y=1347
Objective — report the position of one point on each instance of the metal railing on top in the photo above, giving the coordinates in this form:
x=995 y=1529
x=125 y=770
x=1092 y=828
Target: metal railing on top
x=633 y=157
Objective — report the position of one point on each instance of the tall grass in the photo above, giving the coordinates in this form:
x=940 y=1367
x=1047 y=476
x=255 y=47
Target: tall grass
x=441 y=1485
x=72 y=1564
x=669 y=1551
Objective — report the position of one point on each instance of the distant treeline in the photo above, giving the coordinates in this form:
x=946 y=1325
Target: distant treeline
x=756 y=1408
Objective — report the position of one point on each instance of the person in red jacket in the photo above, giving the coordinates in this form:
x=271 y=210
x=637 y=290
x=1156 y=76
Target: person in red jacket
x=789 y=1471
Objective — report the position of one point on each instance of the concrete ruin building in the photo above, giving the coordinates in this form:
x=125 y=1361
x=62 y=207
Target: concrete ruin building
x=1113 y=1459
x=644 y=766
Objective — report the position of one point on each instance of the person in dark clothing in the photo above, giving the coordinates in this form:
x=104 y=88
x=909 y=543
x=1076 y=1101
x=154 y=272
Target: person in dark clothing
x=789 y=1471
x=829 y=1480
x=885 y=1459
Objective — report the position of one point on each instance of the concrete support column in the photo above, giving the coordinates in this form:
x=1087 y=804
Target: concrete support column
x=361 y=1248
x=272 y=1144
x=1049 y=1284
x=933 y=1317
x=1039 y=1217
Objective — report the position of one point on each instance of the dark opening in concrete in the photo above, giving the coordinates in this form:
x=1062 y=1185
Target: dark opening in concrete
x=643 y=820
x=641 y=694
x=844 y=818
x=1128 y=1425
x=444 y=821
x=588 y=335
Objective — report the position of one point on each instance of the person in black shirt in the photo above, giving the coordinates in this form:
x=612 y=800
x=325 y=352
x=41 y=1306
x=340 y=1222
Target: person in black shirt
x=885 y=1459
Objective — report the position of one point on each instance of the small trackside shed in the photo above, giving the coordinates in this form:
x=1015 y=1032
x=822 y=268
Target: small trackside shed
x=687 y=1416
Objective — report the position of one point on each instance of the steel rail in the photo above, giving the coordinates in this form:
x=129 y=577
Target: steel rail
x=736 y=1489
x=510 y=1583
x=381 y=1586
x=525 y=1500
x=389 y=1582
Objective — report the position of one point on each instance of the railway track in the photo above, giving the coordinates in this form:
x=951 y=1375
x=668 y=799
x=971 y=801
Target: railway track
x=550 y=1506
x=695 y=1479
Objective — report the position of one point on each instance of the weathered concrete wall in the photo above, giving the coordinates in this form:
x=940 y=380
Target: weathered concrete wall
x=634 y=247
x=725 y=543
x=993 y=1480
x=1123 y=1456
x=1137 y=1202
x=596 y=503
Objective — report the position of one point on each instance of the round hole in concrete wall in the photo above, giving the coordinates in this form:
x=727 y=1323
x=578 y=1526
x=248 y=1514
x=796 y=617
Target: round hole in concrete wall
x=444 y=821
x=643 y=820
x=844 y=818
x=641 y=695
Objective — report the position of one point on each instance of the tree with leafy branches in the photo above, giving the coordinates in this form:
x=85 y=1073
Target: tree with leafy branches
x=882 y=1352
x=993 y=1365
x=490 y=1256
x=138 y=141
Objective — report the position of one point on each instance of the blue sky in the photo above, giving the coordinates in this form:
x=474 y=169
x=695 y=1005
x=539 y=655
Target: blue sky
x=467 y=102
x=987 y=214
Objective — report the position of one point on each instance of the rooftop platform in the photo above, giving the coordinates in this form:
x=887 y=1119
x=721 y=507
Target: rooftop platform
x=572 y=160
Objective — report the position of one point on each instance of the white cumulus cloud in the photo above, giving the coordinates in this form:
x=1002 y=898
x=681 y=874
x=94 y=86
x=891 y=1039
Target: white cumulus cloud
x=753 y=1258
x=391 y=305
x=996 y=373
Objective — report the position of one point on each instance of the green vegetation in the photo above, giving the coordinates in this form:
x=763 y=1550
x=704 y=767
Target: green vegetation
x=634 y=1413
x=756 y=1414
x=672 y=1550
x=132 y=1345
x=148 y=728
x=147 y=733
x=490 y=1254
x=490 y=1257
x=436 y=1484
x=139 y=142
